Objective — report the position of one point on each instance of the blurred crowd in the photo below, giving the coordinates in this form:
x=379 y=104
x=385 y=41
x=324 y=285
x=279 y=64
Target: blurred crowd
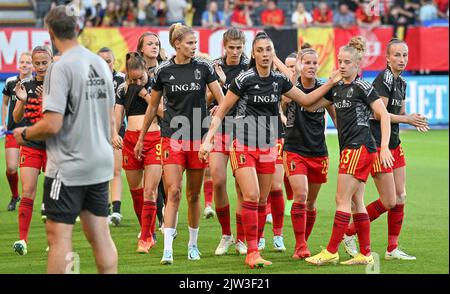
x=266 y=13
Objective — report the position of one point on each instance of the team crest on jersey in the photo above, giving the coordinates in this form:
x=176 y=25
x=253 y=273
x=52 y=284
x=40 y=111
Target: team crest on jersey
x=197 y=74
x=242 y=159
x=293 y=166
x=275 y=86
x=350 y=93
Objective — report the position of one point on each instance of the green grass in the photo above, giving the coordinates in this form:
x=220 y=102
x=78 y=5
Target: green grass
x=424 y=234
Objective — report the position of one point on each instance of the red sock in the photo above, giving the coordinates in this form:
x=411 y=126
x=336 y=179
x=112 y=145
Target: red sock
x=310 y=220
x=395 y=220
x=277 y=203
x=240 y=235
x=25 y=214
x=374 y=210
x=261 y=220
x=298 y=217
x=362 y=224
x=269 y=205
x=341 y=221
x=223 y=214
x=148 y=214
x=250 y=224
x=208 y=191
x=288 y=188
x=13 y=181
x=138 y=202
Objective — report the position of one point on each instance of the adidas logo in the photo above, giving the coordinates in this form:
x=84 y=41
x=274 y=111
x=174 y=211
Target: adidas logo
x=256 y=86
x=172 y=77
x=94 y=77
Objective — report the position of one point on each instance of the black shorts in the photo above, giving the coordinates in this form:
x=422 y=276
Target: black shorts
x=63 y=204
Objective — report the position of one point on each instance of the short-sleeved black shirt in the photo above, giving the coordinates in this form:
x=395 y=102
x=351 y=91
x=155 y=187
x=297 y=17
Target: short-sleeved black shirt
x=395 y=90
x=305 y=130
x=352 y=103
x=9 y=91
x=184 y=91
x=257 y=110
x=119 y=79
x=231 y=72
x=33 y=109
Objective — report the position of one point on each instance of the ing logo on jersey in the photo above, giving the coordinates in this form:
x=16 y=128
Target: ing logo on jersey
x=242 y=159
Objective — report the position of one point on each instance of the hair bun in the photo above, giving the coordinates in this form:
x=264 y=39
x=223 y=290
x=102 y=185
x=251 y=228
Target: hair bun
x=358 y=43
x=306 y=45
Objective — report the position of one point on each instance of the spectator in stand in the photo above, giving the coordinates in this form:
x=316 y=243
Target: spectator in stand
x=442 y=6
x=213 y=17
x=176 y=10
x=366 y=17
x=128 y=13
x=141 y=15
x=322 y=15
x=344 y=17
x=241 y=16
x=199 y=7
x=403 y=14
x=109 y=17
x=151 y=13
x=256 y=10
x=272 y=16
x=428 y=11
x=301 y=17
x=228 y=8
x=351 y=4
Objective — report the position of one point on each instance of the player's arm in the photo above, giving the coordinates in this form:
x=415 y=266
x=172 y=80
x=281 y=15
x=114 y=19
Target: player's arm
x=381 y=113
x=21 y=94
x=4 y=110
x=47 y=127
x=414 y=119
x=332 y=112
x=216 y=91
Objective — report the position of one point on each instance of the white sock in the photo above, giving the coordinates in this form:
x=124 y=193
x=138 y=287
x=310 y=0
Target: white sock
x=168 y=238
x=193 y=236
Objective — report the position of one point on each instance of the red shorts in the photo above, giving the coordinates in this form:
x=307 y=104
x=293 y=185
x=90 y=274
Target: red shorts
x=399 y=157
x=263 y=160
x=315 y=168
x=280 y=144
x=182 y=152
x=10 y=142
x=357 y=162
x=151 y=153
x=222 y=143
x=32 y=157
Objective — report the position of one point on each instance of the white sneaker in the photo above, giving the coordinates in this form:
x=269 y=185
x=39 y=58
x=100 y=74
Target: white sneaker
x=350 y=245
x=269 y=219
x=241 y=248
x=278 y=244
x=262 y=244
x=224 y=245
x=193 y=253
x=398 y=254
x=209 y=212
x=116 y=218
x=167 y=257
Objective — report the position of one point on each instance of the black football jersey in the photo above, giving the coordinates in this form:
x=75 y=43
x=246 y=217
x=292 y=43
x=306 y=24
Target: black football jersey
x=231 y=72
x=305 y=130
x=9 y=91
x=395 y=90
x=257 y=110
x=184 y=89
x=33 y=109
x=352 y=103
